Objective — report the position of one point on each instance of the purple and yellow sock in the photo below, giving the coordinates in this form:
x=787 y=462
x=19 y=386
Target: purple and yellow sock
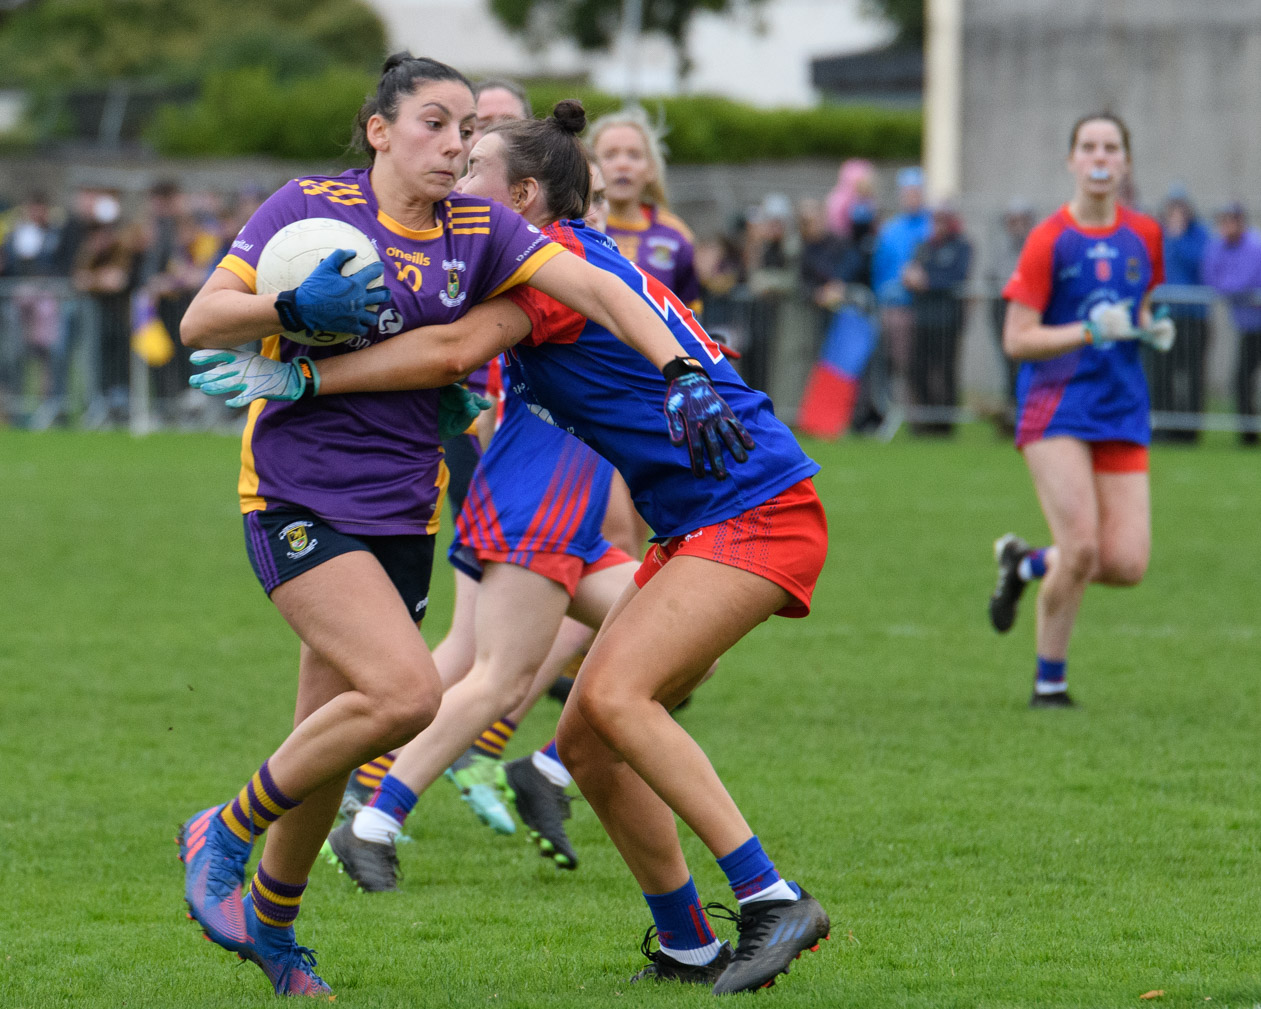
x=370 y=774
x=1032 y=565
x=1052 y=676
x=682 y=929
x=493 y=741
x=394 y=799
x=258 y=805
x=276 y=903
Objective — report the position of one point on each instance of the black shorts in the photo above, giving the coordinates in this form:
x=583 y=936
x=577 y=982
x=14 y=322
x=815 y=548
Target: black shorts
x=285 y=542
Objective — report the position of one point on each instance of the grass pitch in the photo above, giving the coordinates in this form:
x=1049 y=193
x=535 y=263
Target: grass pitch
x=971 y=852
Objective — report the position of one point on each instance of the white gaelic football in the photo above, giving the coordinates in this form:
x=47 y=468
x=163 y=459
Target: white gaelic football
x=298 y=248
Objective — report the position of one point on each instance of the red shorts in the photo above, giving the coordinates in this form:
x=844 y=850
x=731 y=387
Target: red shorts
x=785 y=540
x=564 y=569
x=1118 y=457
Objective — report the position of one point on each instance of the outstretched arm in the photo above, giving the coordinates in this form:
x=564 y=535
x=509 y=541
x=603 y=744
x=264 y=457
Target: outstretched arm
x=607 y=301
x=429 y=357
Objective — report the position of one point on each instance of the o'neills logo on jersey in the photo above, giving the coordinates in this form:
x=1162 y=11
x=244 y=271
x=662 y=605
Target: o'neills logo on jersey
x=419 y=258
x=452 y=296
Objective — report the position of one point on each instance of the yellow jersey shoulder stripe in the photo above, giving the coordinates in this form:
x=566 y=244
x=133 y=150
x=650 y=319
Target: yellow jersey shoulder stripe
x=527 y=269
x=677 y=223
x=242 y=269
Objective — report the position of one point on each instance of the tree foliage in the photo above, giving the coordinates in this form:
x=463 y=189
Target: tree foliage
x=593 y=24
x=62 y=43
x=906 y=15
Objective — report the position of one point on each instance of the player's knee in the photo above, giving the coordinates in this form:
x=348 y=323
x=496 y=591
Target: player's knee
x=1124 y=570
x=400 y=715
x=1079 y=559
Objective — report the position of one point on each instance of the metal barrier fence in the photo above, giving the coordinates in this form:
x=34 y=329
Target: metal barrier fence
x=65 y=358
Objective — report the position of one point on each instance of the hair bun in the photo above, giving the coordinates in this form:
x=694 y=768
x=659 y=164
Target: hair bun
x=396 y=59
x=571 y=116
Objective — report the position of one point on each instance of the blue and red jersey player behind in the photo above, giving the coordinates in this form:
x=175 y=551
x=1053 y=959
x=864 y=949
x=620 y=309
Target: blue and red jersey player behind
x=1095 y=393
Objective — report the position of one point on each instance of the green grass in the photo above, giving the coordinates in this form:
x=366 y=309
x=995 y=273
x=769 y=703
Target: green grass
x=972 y=852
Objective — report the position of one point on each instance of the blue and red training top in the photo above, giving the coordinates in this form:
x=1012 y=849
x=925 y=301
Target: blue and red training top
x=1096 y=392
x=582 y=378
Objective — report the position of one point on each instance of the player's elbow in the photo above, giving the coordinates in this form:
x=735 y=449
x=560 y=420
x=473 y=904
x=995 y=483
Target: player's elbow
x=193 y=331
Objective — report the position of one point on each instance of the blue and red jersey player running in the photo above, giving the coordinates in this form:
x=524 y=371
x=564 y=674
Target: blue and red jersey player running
x=1078 y=310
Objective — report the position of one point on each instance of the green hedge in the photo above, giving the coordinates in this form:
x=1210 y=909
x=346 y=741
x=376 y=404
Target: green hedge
x=249 y=112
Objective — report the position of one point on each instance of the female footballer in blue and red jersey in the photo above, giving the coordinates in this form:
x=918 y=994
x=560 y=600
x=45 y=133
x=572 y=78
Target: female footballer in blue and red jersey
x=734 y=546
x=1078 y=309
x=340 y=497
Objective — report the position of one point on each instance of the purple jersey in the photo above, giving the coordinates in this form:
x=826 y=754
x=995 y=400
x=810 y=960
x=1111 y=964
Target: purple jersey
x=661 y=245
x=585 y=380
x=1094 y=393
x=370 y=463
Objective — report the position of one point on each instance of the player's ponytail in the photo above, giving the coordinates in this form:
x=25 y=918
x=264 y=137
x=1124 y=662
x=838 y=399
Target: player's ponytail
x=401 y=74
x=549 y=151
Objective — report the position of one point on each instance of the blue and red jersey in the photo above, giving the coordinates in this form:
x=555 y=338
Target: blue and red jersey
x=370 y=463
x=537 y=490
x=581 y=377
x=1097 y=392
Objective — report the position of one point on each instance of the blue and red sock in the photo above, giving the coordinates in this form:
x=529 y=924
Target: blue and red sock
x=1052 y=676
x=1032 y=565
x=753 y=876
x=683 y=931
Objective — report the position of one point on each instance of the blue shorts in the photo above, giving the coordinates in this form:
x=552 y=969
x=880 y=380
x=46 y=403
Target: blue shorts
x=285 y=542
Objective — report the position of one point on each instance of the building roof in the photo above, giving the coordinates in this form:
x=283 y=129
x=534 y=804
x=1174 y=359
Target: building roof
x=893 y=71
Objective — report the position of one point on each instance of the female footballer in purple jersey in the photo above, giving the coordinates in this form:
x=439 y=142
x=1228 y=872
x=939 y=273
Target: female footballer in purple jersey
x=730 y=553
x=1078 y=308
x=341 y=496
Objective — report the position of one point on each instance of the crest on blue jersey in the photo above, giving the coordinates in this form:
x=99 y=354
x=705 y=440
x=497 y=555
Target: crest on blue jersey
x=453 y=296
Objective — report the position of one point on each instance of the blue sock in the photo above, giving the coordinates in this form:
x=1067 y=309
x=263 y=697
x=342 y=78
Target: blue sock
x=393 y=798
x=750 y=872
x=1052 y=676
x=550 y=751
x=1033 y=565
x=682 y=929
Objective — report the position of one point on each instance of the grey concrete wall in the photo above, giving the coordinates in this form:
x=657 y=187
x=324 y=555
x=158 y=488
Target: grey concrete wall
x=1185 y=75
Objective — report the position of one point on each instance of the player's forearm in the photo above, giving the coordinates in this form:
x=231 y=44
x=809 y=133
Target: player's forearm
x=429 y=357
x=408 y=361
x=225 y=318
x=1038 y=342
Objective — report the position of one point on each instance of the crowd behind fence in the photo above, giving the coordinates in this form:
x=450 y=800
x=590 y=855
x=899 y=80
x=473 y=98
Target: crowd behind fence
x=90 y=307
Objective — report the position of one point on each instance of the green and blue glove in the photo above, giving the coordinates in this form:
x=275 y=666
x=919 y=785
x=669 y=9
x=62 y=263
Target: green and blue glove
x=457 y=409
x=698 y=417
x=253 y=376
x=329 y=301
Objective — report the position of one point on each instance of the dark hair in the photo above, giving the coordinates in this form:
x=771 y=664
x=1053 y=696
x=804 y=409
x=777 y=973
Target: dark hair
x=549 y=150
x=512 y=87
x=401 y=75
x=1107 y=117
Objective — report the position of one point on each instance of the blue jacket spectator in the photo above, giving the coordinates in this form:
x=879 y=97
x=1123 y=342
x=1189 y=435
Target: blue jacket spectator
x=898 y=239
x=1186 y=241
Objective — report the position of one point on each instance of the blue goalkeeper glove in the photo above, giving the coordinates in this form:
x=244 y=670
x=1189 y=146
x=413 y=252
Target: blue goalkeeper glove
x=698 y=417
x=457 y=409
x=254 y=376
x=329 y=301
